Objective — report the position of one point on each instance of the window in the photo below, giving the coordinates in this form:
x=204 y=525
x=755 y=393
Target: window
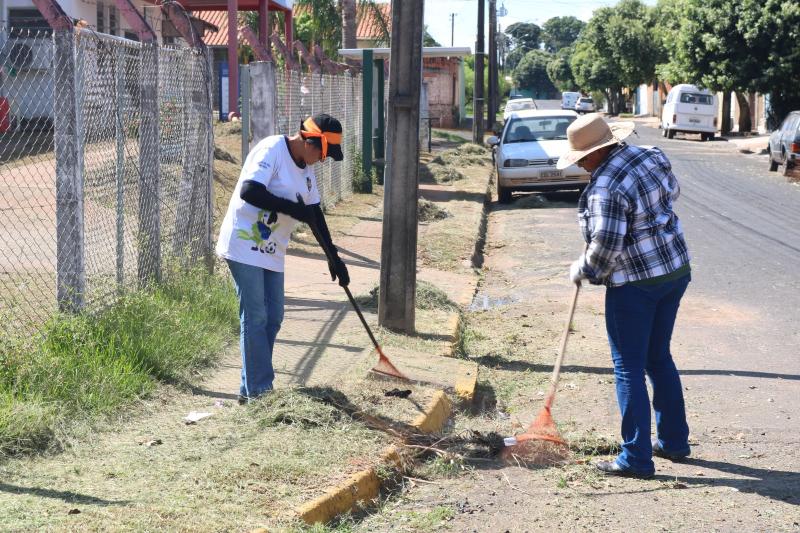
x=27 y=23
x=101 y=19
x=113 y=27
x=538 y=129
x=697 y=98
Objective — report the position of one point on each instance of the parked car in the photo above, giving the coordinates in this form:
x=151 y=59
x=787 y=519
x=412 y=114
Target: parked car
x=518 y=104
x=569 y=99
x=689 y=110
x=527 y=152
x=784 y=144
x=585 y=104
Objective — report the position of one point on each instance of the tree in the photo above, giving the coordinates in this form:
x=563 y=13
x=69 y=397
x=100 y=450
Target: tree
x=770 y=29
x=428 y=40
x=349 y=10
x=526 y=35
x=615 y=51
x=531 y=74
x=513 y=58
x=560 y=72
x=561 y=32
x=709 y=49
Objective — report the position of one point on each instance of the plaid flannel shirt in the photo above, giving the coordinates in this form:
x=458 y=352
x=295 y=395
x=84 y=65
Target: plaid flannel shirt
x=626 y=217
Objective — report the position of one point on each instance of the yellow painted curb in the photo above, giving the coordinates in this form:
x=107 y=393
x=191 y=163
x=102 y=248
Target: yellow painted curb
x=434 y=417
x=366 y=485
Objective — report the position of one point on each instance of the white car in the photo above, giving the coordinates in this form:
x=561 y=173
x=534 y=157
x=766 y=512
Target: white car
x=585 y=104
x=519 y=104
x=527 y=151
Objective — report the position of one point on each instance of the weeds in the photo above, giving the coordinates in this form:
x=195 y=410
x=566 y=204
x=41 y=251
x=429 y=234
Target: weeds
x=86 y=366
x=430 y=212
x=428 y=297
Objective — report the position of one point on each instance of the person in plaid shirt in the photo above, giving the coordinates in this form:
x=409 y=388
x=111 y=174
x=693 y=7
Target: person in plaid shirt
x=636 y=248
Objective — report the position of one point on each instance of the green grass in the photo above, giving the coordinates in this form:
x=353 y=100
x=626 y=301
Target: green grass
x=450 y=137
x=87 y=366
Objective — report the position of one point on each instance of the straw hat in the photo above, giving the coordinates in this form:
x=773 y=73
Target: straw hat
x=589 y=133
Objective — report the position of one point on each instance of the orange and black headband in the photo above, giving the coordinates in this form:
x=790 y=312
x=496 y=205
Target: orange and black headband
x=312 y=130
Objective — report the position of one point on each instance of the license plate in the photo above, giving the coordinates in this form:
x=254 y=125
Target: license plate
x=694 y=120
x=550 y=174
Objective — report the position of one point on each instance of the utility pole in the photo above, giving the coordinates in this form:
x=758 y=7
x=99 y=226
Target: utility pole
x=452 y=28
x=493 y=103
x=477 y=106
x=397 y=297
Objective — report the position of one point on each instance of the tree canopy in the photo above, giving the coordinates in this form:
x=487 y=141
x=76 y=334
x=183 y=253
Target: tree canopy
x=561 y=32
x=531 y=74
x=525 y=35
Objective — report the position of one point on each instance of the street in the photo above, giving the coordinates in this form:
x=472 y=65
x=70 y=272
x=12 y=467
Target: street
x=735 y=344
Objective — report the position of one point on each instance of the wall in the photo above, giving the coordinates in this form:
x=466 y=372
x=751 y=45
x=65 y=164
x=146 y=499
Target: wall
x=442 y=78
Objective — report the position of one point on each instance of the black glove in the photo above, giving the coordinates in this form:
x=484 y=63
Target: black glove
x=300 y=211
x=338 y=270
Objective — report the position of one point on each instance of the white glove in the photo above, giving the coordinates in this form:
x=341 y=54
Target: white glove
x=575 y=272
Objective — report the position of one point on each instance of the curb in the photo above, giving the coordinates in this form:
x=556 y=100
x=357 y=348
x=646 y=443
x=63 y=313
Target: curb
x=365 y=485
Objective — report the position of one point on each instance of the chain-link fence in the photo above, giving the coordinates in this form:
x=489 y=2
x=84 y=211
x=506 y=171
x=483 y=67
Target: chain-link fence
x=303 y=95
x=105 y=168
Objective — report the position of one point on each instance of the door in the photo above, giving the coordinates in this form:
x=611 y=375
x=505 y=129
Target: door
x=695 y=110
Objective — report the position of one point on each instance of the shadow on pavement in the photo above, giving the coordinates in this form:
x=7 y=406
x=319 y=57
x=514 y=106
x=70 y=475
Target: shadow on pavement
x=66 y=496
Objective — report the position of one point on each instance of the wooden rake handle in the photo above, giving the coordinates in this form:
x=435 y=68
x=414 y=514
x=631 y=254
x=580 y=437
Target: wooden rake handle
x=564 y=337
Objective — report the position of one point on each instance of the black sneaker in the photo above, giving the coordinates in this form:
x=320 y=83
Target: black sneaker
x=658 y=451
x=613 y=468
x=242 y=399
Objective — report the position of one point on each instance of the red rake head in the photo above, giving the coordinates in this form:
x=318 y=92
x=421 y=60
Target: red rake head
x=385 y=367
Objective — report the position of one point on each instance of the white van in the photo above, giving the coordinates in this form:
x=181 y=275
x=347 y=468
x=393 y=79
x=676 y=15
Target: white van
x=689 y=110
x=568 y=100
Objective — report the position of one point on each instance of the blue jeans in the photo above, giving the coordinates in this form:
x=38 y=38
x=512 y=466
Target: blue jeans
x=639 y=322
x=261 y=299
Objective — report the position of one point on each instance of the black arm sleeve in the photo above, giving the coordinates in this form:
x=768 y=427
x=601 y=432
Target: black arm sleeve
x=321 y=231
x=256 y=194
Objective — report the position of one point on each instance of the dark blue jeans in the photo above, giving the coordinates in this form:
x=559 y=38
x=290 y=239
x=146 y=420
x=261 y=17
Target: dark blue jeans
x=261 y=299
x=639 y=322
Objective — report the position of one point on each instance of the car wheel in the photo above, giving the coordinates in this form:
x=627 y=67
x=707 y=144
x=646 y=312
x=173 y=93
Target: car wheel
x=710 y=137
x=788 y=169
x=773 y=166
x=503 y=195
x=670 y=134
x=663 y=131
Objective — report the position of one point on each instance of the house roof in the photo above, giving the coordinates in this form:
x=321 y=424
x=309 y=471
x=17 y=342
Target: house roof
x=220 y=5
x=369 y=25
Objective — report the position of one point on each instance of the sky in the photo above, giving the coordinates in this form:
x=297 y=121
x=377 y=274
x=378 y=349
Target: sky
x=437 y=15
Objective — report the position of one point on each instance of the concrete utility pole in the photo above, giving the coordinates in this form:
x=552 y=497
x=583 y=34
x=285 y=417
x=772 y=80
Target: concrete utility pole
x=493 y=103
x=477 y=96
x=399 y=245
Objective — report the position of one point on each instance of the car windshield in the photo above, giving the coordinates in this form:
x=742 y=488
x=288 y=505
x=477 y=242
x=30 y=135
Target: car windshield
x=587 y=101
x=519 y=106
x=696 y=98
x=537 y=129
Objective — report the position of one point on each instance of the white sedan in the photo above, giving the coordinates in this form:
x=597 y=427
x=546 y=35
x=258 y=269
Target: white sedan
x=518 y=104
x=527 y=151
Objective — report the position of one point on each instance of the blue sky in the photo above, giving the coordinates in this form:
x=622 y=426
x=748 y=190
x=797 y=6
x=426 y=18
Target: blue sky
x=437 y=15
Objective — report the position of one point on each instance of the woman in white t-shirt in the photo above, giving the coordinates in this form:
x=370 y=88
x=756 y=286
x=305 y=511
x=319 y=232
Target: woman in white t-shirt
x=276 y=189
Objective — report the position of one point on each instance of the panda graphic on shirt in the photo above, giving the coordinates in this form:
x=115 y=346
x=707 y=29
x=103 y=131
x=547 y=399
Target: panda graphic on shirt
x=262 y=229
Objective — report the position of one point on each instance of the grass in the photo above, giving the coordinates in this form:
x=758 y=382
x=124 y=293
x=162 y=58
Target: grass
x=88 y=366
x=449 y=137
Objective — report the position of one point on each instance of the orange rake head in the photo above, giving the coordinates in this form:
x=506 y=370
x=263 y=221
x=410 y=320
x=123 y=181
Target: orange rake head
x=541 y=444
x=386 y=368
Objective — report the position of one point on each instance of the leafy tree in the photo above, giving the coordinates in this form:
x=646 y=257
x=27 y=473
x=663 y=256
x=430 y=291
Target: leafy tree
x=560 y=72
x=531 y=74
x=561 y=32
x=615 y=51
x=514 y=57
x=526 y=35
x=428 y=40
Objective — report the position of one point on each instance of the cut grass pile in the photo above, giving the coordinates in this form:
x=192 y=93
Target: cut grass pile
x=429 y=297
x=430 y=212
x=87 y=366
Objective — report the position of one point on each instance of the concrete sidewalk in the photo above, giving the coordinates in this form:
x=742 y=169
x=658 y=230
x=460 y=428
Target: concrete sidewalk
x=321 y=340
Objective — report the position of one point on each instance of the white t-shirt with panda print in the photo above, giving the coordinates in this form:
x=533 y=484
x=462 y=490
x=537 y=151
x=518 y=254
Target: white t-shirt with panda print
x=251 y=235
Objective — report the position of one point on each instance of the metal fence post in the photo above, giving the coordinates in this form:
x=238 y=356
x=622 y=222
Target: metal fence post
x=244 y=90
x=150 y=169
x=70 y=244
x=119 y=84
x=208 y=117
x=366 y=119
x=263 y=103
